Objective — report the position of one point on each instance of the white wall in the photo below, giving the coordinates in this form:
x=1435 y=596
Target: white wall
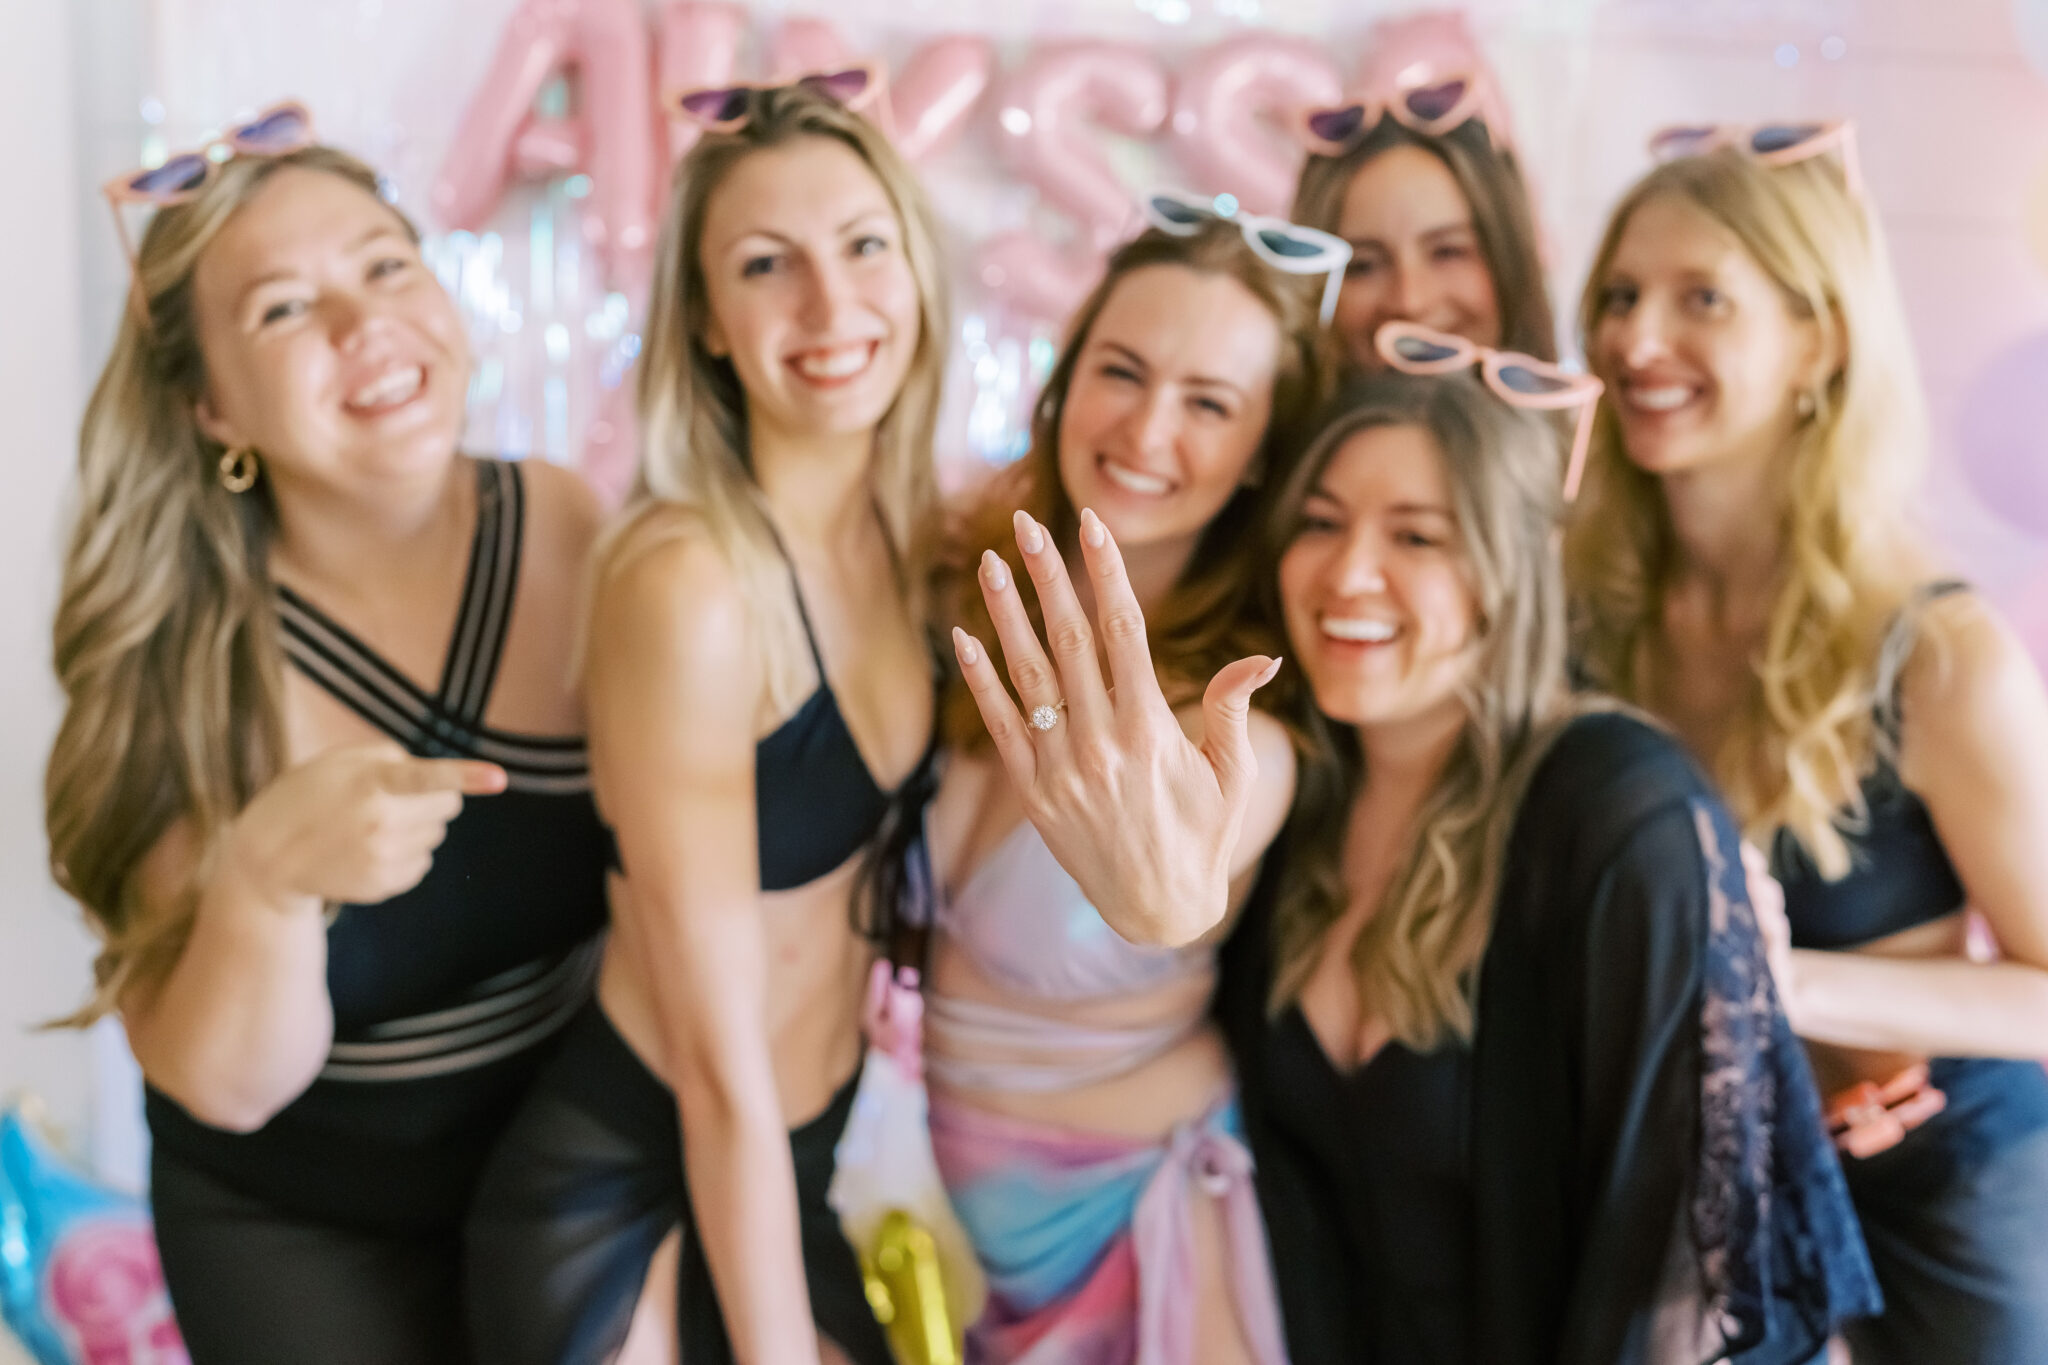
x=44 y=953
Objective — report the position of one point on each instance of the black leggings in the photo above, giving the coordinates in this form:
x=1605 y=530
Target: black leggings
x=255 y=1286
x=585 y=1185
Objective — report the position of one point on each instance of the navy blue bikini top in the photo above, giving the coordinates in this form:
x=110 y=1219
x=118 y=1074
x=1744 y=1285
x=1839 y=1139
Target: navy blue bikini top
x=1899 y=873
x=815 y=802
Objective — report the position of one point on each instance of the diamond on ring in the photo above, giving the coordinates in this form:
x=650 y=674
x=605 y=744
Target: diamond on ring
x=1044 y=717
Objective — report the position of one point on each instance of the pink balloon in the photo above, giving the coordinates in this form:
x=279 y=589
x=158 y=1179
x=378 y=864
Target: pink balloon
x=547 y=147
x=696 y=44
x=1438 y=42
x=1036 y=280
x=1230 y=107
x=803 y=46
x=1046 y=112
x=2003 y=412
x=1047 y=108
x=806 y=44
x=107 y=1286
x=940 y=87
x=606 y=42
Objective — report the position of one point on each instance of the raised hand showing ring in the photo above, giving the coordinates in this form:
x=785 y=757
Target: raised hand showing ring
x=1143 y=818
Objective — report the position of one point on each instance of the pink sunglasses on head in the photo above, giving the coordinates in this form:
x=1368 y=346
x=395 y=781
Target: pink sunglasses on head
x=726 y=108
x=1423 y=102
x=1518 y=380
x=281 y=129
x=1773 y=144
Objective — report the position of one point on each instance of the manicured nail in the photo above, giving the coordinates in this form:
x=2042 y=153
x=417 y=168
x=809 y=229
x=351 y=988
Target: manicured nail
x=1272 y=672
x=1028 y=533
x=963 y=644
x=992 y=569
x=1092 y=532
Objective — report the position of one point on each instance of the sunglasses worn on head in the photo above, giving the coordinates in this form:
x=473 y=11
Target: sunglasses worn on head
x=1288 y=247
x=1519 y=380
x=1773 y=144
x=1424 y=103
x=278 y=131
x=726 y=108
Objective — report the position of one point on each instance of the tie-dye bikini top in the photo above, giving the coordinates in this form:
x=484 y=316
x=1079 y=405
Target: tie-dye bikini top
x=1026 y=927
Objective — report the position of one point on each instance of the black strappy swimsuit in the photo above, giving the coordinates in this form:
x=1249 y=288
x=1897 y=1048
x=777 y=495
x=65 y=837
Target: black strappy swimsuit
x=590 y=1179
x=444 y=994
x=815 y=802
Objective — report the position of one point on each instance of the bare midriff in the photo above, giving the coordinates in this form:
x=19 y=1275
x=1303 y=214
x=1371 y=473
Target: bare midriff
x=816 y=976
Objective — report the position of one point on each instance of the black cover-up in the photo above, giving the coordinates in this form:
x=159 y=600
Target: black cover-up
x=1633 y=1113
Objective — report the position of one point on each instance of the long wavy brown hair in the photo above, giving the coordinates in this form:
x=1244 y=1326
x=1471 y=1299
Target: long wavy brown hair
x=1212 y=616
x=1502 y=219
x=1416 y=960
x=165 y=640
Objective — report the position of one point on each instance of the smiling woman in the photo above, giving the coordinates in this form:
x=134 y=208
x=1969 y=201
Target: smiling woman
x=761 y=699
x=1441 y=232
x=339 y=419
x=1076 y=1077
x=335 y=973
x=1507 y=1055
x=1747 y=568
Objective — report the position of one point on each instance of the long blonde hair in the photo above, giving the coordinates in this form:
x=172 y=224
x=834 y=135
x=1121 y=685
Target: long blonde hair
x=1502 y=219
x=1212 y=615
x=1416 y=959
x=1804 y=737
x=695 y=454
x=165 y=640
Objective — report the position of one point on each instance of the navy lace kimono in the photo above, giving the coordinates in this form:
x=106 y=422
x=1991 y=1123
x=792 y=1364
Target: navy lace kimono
x=1626 y=1164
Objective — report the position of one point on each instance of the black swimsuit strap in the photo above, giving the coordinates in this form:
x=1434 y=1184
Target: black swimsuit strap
x=358 y=677
x=1897 y=648
x=488 y=591
x=796 y=591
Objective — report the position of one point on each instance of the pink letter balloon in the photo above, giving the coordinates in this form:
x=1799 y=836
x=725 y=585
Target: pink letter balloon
x=1441 y=43
x=695 y=45
x=1229 y=105
x=605 y=41
x=1045 y=115
x=940 y=87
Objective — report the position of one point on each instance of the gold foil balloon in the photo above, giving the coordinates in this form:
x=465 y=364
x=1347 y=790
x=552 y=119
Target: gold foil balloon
x=908 y=1292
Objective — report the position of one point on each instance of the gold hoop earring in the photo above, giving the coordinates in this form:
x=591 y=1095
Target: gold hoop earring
x=239 y=468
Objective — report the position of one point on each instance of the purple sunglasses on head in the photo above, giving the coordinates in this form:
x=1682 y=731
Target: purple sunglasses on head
x=724 y=108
